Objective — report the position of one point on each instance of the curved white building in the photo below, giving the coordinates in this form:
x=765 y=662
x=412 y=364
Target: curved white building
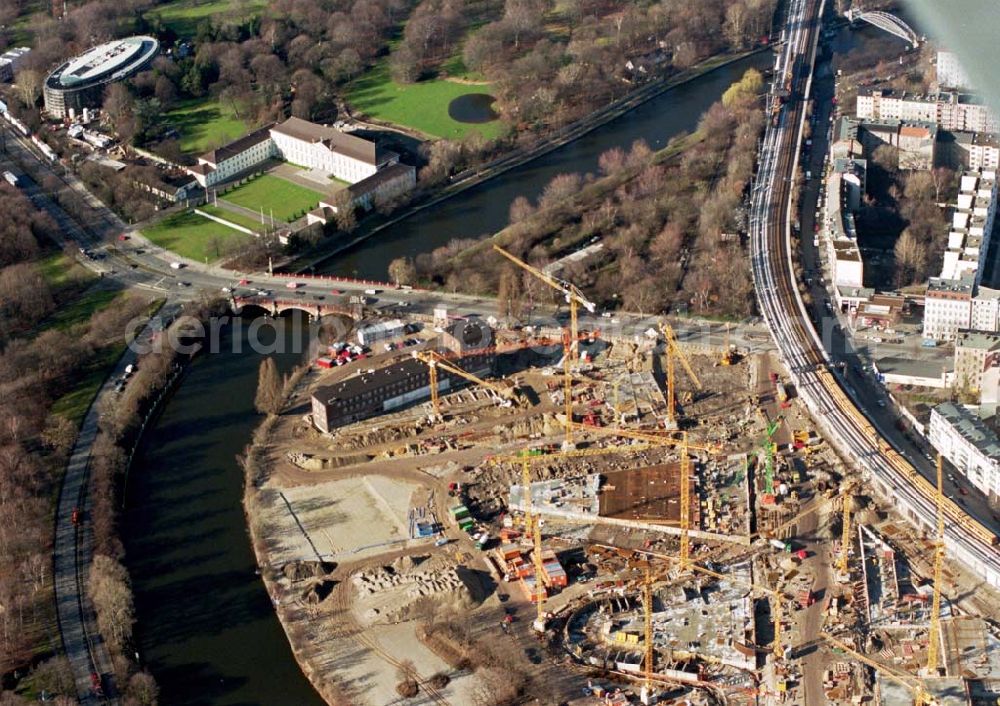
x=79 y=83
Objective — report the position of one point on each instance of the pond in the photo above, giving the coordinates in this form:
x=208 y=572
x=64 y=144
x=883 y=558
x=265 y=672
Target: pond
x=473 y=108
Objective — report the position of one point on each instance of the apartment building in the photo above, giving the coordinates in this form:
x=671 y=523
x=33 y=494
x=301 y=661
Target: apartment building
x=969 y=444
x=972 y=349
x=971 y=226
x=950 y=72
x=947 y=307
x=949 y=110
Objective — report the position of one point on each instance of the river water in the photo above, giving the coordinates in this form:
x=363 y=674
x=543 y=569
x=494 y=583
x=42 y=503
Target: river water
x=484 y=209
x=206 y=627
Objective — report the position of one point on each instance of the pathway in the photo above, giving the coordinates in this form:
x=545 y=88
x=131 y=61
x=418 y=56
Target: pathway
x=73 y=552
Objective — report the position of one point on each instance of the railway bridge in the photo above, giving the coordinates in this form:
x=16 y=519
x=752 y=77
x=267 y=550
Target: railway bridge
x=887 y=23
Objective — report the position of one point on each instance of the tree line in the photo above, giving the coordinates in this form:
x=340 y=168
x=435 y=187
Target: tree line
x=672 y=223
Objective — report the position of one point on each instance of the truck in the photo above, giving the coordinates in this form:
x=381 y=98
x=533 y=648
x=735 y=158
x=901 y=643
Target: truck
x=11 y=178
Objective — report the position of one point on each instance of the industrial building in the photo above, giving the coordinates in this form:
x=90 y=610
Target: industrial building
x=80 y=82
x=467 y=344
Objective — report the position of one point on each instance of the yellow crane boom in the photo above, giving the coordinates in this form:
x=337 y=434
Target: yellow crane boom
x=571 y=343
x=920 y=695
x=674 y=352
x=436 y=360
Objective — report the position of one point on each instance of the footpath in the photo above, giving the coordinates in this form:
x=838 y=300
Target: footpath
x=72 y=554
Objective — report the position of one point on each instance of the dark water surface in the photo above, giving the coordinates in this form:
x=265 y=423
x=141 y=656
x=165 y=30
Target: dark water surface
x=206 y=628
x=473 y=108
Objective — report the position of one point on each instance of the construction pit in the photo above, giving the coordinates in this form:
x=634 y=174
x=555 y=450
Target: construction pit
x=399 y=549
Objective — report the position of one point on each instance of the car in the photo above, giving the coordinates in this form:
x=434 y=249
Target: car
x=300 y=293
x=122 y=237
x=227 y=290
x=881 y=403
x=336 y=291
x=292 y=285
x=183 y=284
x=319 y=297
x=244 y=282
x=963 y=491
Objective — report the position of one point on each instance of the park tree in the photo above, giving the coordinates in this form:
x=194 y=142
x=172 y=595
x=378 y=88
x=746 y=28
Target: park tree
x=346 y=215
x=268 y=399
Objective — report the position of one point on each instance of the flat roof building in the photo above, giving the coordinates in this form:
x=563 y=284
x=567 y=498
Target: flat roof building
x=468 y=345
x=80 y=82
x=969 y=444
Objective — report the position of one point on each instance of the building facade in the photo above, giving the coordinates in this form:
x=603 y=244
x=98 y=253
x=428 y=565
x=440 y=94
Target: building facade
x=467 y=345
x=10 y=62
x=220 y=165
x=345 y=156
x=972 y=349
x=80 y=82
x=969 y=444
x=949 y=110
x=947 y=308
x=950 y=73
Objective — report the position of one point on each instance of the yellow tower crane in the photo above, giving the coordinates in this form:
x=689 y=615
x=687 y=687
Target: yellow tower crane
x=776 y=596
x=934 y=638
x=674 y=353
x=845 y=535
x=571 y=343
x=435 y=360
x=916 y=687
x=685 y=469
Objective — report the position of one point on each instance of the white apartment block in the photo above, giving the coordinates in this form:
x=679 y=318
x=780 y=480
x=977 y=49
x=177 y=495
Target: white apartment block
x=969 y=444
x=949 y=110
x=986 y=310
x=951 y=73
x=947 y=308
x=971 y=226
x=984 y=153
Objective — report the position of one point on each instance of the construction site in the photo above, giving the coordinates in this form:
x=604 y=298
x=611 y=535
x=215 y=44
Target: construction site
x=459 y=512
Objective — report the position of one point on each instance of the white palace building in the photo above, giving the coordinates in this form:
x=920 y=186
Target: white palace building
x=339 y=154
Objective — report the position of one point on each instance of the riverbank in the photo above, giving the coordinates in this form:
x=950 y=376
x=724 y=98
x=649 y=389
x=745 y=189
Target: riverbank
x=521 y=157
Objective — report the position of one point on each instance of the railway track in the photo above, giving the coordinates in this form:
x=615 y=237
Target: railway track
x=834 y=408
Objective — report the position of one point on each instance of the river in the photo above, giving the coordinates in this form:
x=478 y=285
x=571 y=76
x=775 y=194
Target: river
x=484 y=209
x=206 y=628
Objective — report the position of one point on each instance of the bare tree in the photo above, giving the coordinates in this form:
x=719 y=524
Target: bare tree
x=268 y=399
x=112 y=596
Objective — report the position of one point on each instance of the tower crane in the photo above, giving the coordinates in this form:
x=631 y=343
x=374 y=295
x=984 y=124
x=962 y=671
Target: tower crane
x=685 y=470
x=934 y=638
x=674 y=352
x=571 y=343
x=776 y=596
x=845 y=535
x=769 y=450
x=920 y=695
x=435 y=360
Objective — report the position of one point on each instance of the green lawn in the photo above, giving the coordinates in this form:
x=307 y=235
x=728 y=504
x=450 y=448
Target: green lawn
x=205 y=123
x=285 y=199
x=61 y=271
x=192 y=236
x=73 y=405
x=237 y=218
x=422 y=106
x=82 y=308
x=184 y=16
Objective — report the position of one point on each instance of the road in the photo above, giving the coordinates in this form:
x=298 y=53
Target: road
x=834 y=405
